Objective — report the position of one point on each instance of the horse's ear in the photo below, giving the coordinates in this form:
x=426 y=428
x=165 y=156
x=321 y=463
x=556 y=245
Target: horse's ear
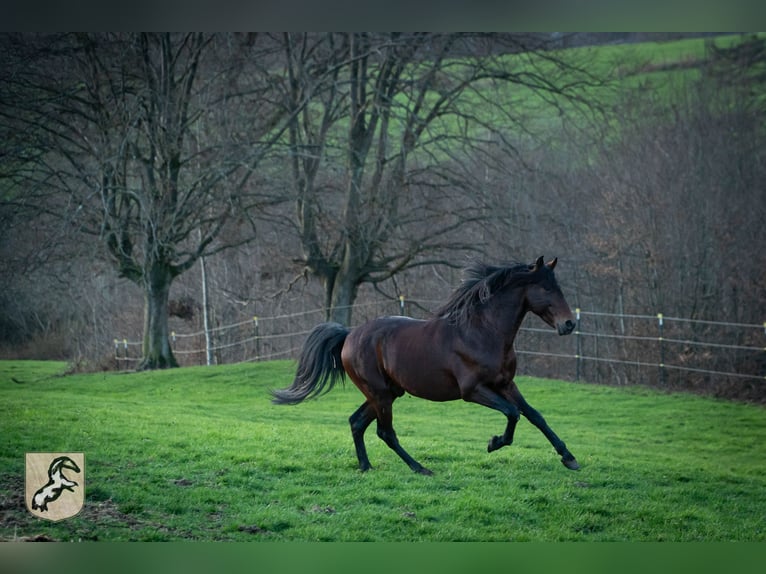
x=552 y=264
x=538 y=264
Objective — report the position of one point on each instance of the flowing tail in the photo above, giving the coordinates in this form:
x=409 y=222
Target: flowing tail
x=318 y=366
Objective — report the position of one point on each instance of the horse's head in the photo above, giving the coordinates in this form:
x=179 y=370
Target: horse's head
x=545 y=299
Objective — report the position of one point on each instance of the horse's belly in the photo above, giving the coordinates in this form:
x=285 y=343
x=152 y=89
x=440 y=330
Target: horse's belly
x=434 y=385
x=436 y=393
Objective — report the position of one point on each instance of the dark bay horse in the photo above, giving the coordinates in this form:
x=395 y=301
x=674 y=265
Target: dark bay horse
x=464 y=352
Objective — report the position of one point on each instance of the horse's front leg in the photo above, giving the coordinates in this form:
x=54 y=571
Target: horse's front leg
x=486 y=396
x=533 y=416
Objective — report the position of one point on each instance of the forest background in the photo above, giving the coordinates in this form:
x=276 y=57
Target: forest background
x=156 y=182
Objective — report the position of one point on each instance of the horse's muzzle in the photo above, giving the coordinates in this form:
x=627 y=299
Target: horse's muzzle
x=566 y=327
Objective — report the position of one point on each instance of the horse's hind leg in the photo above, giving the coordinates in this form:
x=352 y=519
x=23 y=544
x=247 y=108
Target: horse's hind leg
x=388 y=435
x=380 y=393
x=533 y=416
x=359 y=422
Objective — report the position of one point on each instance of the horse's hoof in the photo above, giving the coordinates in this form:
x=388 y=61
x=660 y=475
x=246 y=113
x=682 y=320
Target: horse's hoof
x=571 y=463
x=495 y=443
x=424 y=471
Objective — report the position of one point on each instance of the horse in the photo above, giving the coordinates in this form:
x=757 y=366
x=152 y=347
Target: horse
x=464 y=351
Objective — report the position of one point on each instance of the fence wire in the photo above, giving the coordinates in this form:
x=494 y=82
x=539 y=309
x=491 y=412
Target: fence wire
x=605 y=347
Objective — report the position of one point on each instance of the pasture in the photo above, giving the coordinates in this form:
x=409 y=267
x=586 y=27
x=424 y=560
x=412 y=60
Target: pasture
x=202 y=454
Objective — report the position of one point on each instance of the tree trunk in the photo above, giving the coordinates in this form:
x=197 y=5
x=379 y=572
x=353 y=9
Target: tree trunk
x=341 y=296
x=157 y=353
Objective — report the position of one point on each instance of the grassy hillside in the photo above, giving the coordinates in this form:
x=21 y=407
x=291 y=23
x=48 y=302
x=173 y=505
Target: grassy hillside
x=595 y=79
x=201 y=454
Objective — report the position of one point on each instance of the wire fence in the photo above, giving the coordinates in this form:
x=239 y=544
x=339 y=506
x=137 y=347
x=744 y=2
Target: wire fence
x=605 y=347
x=653 y=349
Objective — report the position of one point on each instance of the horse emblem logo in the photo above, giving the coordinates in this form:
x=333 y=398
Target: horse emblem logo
x=55 y=484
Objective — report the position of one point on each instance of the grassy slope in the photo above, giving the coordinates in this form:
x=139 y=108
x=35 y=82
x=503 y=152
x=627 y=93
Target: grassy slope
x=650 y=67
x=200 y=453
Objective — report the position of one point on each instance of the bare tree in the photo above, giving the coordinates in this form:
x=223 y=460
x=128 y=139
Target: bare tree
x=384 y=160
x=140 y=141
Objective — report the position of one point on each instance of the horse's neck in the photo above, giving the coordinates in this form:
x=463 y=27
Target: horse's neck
x=508 y=313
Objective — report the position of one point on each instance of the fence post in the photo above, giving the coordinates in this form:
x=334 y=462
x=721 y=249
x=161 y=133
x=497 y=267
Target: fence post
x=662 y=349
x=578 y=344
x=257 y=338
x=125 y=349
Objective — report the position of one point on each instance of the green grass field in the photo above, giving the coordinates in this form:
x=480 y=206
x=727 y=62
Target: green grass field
x=202 y=454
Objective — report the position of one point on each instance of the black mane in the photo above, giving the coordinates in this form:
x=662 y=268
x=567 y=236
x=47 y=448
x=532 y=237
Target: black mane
x=480 y=282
